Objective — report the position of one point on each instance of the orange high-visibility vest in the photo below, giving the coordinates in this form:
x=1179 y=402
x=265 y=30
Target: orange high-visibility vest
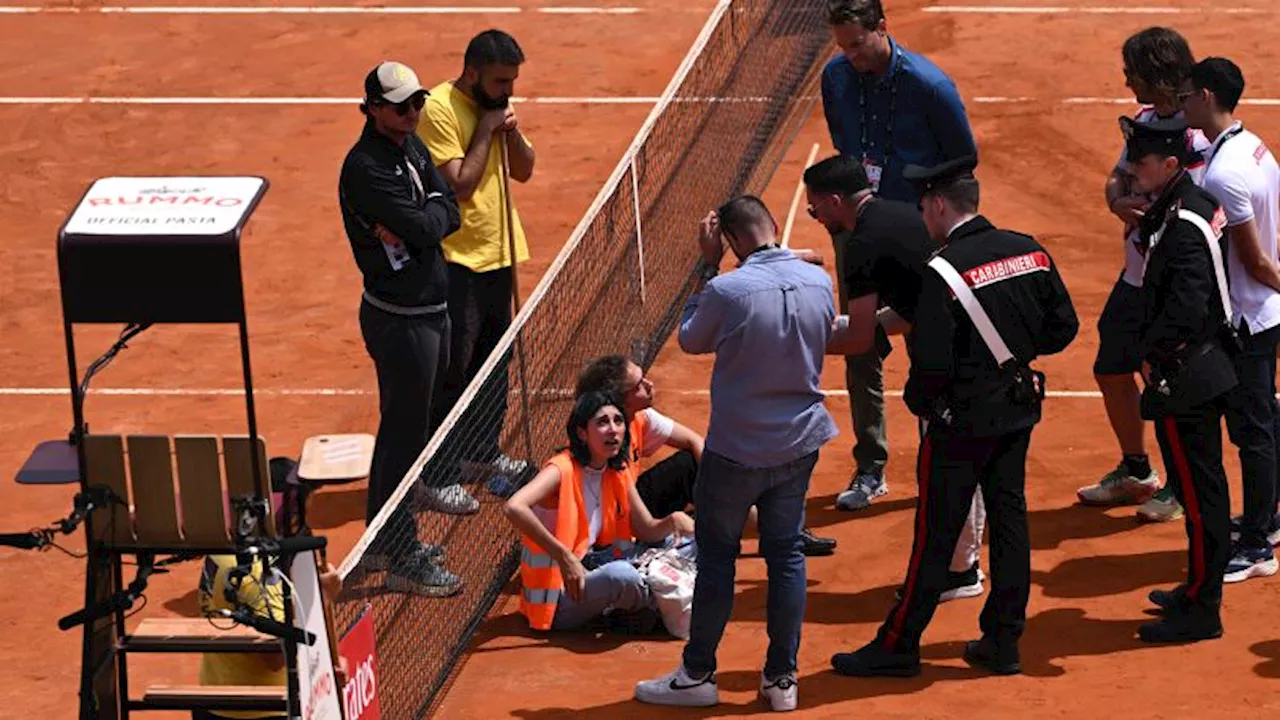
x=639 y=428
x=540 y=577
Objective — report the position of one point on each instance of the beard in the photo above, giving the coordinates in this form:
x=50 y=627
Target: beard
x=487 y=101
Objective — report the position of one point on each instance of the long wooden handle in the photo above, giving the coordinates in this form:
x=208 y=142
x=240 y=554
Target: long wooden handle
x=510 y=224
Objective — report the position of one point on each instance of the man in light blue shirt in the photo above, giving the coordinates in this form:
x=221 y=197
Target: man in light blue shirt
x=768 y=323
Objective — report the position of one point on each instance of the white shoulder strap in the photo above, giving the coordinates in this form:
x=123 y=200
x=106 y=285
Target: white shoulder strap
x=1215 y=250
x=973 y=309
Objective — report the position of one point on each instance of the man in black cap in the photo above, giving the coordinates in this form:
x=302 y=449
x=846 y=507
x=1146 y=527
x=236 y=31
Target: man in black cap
x=1186 y=345
x=885 y=246
x=991 y=303
x=396 y=209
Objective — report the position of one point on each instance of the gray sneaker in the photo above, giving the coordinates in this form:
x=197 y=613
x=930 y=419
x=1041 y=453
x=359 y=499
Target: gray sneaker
x=380 y=560
x=503 y=465
x=420 y=575
x=864 y=488
x=450 y=499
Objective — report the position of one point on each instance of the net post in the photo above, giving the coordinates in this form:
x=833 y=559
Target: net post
x=635 y=198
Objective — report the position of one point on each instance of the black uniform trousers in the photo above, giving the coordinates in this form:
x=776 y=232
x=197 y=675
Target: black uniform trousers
x=480 y=312
x=950 y=467
x=408 y=353
x=1191 y=446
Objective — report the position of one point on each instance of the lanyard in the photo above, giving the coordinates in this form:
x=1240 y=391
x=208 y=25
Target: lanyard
x=894 y=68
x=411 y=158
x=1222 y=140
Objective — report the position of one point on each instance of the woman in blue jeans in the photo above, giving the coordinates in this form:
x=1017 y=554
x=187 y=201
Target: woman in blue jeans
x=579 y=518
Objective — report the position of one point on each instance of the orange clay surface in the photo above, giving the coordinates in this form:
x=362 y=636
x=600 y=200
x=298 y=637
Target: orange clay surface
x=1043 y=166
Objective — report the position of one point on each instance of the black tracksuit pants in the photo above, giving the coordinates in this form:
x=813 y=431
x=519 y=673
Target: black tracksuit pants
x=950 y=468
x=1191 y=446
x=409 y=354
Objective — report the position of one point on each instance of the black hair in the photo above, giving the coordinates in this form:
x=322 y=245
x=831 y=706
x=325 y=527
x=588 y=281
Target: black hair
x=744 y=215
x=585 y=408
x=867 y=13
x=1160 y=57
x=961 y=194
x=492 y=47
x=1221 y=77
x=606 y=374
x=839 y=174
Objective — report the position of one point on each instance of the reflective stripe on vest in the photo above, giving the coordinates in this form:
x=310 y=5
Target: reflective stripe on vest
x=535 y=560
x=542 y=597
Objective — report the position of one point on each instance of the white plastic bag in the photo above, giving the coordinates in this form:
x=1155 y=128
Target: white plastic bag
x=670 y=574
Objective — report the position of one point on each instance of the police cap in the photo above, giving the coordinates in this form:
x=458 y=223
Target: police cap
x=927 y=179
x=1166 y=137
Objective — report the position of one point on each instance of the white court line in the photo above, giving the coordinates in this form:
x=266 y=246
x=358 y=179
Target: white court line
x=332 y=392
x=1108 y=10
x=546 y=100
x=184 y=392
x=106 y=100
x=317 y=10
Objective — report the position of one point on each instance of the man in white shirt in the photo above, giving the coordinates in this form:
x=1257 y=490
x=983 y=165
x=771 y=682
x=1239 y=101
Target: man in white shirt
x=1242 y=174
x=1157 y=61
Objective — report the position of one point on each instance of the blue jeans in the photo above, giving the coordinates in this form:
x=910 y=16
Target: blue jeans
x=724 y=494
x=1253 y=422
x=617 y=585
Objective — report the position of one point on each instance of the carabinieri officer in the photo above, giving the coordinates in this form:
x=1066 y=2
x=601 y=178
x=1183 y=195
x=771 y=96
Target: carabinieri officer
x=991 y=303
x=1186 y=338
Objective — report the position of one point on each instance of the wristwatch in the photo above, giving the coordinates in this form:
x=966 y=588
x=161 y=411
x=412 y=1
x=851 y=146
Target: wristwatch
x=706 y=271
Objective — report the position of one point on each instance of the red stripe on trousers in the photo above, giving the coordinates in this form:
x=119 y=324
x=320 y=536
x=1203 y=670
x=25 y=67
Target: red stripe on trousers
x=922 y=527
x=1192 y=507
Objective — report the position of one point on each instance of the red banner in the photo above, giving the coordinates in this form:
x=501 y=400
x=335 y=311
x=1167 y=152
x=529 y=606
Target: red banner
x=357 y=646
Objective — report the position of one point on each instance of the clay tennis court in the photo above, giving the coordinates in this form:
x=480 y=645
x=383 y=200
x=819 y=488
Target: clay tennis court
x=1040 y=91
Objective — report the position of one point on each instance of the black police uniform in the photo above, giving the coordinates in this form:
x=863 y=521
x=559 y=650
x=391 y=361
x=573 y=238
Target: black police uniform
x=1186 y=341
x=979 y=419
x=403 y=313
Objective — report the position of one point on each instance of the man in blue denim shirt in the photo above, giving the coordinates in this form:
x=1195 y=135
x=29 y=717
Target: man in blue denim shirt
x=768 y=324
x=887 y=107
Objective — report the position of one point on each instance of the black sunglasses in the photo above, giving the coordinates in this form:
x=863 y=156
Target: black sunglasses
x=402 y=108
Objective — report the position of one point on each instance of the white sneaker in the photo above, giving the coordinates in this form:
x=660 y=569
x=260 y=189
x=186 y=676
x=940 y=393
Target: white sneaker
x=677 y=688
x=780 y=693
x=451 y=499
x=1118 y=487
x=964 y=588
x=1162 y=507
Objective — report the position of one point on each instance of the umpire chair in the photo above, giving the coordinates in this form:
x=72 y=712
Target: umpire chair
x=141 y=251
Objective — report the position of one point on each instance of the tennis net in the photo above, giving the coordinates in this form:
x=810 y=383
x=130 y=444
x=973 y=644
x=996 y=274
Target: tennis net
x=720 y=129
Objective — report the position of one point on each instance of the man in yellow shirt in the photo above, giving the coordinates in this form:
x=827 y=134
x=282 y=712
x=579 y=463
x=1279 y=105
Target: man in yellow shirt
x=465 y=124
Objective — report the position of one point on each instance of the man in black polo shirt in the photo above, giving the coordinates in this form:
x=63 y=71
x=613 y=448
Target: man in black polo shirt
x=885 y=245
x=396 y=209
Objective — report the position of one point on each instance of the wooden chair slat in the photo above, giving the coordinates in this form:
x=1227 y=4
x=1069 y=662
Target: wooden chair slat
x=151 y=474
x=105 y=465
x=204 y=520
x=236 y=459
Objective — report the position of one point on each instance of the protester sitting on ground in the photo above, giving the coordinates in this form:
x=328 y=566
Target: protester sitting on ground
x=579 y=518
x=668 y=485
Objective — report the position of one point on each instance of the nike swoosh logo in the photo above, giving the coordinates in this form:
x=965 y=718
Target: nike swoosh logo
x=676 y=686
